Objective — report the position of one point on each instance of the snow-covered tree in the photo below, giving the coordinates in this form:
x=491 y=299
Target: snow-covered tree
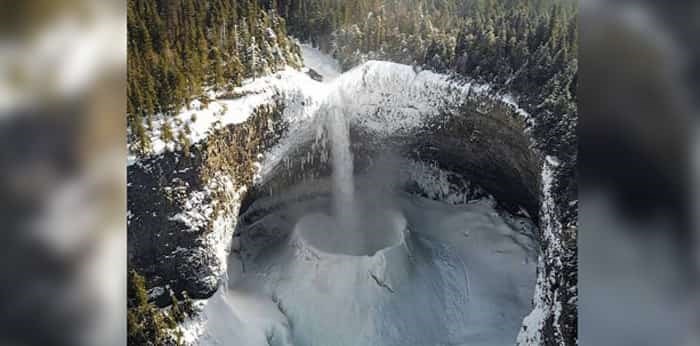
x=253 y=57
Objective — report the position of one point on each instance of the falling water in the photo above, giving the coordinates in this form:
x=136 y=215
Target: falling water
x=343 y=184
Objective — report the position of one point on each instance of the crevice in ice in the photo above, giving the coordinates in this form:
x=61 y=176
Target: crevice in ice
x=381 y=283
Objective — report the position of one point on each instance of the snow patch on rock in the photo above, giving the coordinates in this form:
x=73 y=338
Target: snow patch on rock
x=439 y=184
x=545 y=305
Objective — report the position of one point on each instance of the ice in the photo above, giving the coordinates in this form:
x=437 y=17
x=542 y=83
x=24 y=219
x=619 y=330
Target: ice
x=243 y=318
x=430 y=286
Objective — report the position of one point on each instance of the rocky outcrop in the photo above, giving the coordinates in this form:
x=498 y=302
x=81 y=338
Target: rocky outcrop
x=167 y=251
x=182 y=205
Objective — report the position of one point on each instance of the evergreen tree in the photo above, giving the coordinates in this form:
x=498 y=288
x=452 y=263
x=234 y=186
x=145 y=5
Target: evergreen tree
x=146 y=325
x=253 y=57
x=166 y=132
x=179 y=49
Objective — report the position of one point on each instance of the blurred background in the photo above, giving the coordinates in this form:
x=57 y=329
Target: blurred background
x=63 y=185
x=638 y=169
x=63 y=179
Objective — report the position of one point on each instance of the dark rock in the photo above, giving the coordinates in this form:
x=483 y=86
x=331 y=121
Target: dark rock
x=167 y=251
x=314 y=75
x=164 y=251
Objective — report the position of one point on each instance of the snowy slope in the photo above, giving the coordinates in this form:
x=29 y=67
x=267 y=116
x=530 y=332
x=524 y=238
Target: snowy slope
x=222 y=112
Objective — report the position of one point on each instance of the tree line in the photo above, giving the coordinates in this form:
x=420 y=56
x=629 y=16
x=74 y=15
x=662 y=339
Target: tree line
x=179 y=50
x=526 y=48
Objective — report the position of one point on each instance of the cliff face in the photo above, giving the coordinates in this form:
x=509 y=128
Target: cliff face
x=183 y=205
x=165 y=249
x=183 y=209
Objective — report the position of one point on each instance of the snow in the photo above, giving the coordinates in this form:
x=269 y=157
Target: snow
x=471 y=282
x=219 y=113
x=222 y=112
x=389 y=97
x=193 y=216
x=531 y=333
x=247 y=318
x=381 y=96
x=323 y=64
x=462 y=290
x=197 y=212
x=436 y=184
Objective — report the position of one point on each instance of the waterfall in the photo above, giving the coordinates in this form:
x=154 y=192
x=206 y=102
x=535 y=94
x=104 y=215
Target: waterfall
x=343 y=184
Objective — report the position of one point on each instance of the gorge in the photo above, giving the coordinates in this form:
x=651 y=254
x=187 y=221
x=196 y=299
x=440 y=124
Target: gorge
x=398 y=204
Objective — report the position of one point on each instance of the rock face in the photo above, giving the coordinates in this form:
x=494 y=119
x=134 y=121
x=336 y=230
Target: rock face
x=483 y=139
x=314 y=75
x=164 y=249
x=183 y=205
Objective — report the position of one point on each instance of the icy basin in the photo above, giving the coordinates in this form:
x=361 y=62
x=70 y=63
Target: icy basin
x=321 y=233
x=423 y=273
